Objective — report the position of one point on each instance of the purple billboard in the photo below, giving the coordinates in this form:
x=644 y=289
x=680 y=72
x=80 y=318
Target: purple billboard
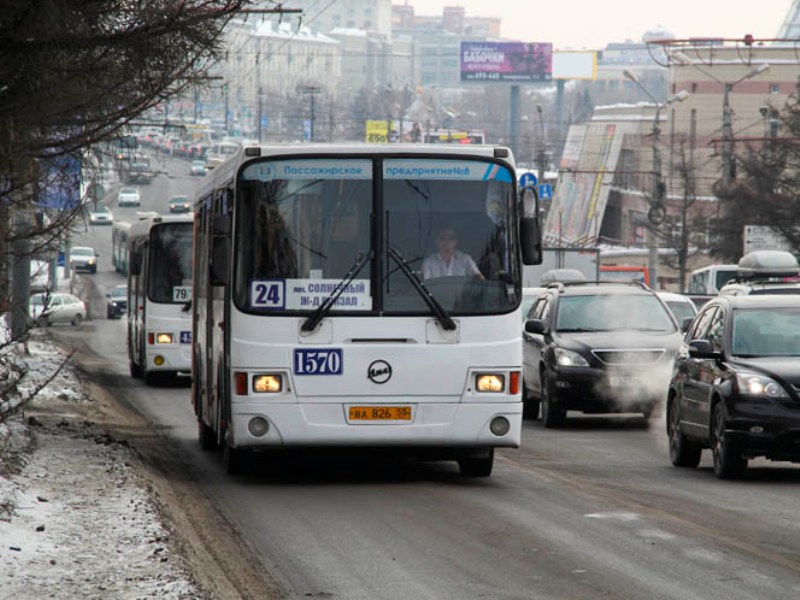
x=506 y=61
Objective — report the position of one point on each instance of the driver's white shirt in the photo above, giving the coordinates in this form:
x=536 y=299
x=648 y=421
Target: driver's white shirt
x=460 y=264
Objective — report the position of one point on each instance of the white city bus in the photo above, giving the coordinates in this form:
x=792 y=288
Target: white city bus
x=159 y=295
x=313 y=322
x=120 y=230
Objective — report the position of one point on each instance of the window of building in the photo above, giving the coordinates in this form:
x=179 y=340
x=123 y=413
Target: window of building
x=775 y=88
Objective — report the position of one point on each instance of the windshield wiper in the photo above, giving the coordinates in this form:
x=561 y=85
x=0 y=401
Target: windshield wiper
x=438 y=310
x=310 y=324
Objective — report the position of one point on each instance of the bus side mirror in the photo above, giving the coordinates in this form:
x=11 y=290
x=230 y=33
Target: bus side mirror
x=531 y=236
x=530 y=228
x=220 y=260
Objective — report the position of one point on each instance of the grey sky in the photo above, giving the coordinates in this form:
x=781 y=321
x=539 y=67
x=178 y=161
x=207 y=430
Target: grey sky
x=592 y=24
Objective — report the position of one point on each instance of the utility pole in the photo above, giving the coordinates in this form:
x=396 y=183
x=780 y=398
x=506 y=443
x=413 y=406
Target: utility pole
x=541 y=150
x=225 y=95
x=312 y=91
x=658 y=191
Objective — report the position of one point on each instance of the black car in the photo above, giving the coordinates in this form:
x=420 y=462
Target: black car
x=735 y=387
x=597 y=348
x=117 y=302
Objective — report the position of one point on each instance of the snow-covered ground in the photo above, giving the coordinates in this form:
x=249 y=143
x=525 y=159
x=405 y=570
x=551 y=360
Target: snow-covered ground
x=77 y=521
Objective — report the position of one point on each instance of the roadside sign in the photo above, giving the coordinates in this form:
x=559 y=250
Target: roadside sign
x=527 y=179
x=546 y=191
x=761 y=237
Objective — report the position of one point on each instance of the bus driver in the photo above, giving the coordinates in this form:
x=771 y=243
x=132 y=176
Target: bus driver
x=447 y=260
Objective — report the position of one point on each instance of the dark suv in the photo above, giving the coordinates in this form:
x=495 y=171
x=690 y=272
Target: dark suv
x=597 y=348
x=736 y=384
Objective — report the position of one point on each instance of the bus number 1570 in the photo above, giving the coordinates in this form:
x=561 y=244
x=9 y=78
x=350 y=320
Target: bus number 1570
x=327 y=361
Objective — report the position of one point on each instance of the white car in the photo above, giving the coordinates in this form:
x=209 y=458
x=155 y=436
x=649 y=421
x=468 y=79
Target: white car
x=83 y=258
x=128 y=196
x=101 y=216
x=46 y=309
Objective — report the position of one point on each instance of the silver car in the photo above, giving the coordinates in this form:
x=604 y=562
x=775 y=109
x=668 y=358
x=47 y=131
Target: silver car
x=46 y=309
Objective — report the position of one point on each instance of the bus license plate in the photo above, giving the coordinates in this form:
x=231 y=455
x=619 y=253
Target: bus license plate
x=379 y=413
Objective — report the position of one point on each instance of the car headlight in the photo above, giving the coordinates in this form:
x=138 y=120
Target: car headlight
x=753 y=384
x=91 y=261
x=569 y=358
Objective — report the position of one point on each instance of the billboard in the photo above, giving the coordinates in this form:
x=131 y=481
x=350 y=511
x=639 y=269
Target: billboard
x=575 y=65
x=584 y=181
x=506 y=61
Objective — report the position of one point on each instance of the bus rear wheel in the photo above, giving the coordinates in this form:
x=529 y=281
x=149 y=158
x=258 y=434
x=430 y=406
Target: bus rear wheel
x=477 y=466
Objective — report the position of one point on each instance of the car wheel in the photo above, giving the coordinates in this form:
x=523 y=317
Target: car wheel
x=530 y=406
x=76 y=320
x=477 y=466
x=728 y=461
x=42 y=322
x=682 y=452
x=553 y=414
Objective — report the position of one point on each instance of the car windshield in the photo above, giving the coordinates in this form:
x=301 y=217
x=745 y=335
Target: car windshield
x=609 y=312
x=128 y=191
x=766 y=332
x=179 y=200
x=82 y=252
x=120 y=291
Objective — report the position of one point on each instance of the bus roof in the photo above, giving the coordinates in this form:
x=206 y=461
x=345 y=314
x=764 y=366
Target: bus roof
x=143 y=226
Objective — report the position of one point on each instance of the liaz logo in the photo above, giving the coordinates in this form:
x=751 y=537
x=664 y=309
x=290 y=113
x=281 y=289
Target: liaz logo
x=379 y=371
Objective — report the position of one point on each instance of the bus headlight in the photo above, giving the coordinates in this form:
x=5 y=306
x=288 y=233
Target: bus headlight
x=269 y=383
x=163 y=338
x=490 y=382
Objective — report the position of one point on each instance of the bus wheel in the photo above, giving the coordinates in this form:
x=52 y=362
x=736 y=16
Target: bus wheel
x=477 y=466
x=233 y=460
x=206 y=436
x=152 y=377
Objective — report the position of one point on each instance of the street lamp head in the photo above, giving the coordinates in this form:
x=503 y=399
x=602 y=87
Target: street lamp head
x=680 y=96
x=681 y=58
x=628 y=75
x=758 y=70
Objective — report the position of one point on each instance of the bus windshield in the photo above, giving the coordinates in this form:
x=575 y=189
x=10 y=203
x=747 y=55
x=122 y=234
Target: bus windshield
x=446 y=228
x=170 y=260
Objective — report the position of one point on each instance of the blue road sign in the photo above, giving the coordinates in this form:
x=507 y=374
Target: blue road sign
x=60 y=183
x=527 y=179
x=545 y=191
x=264 y=122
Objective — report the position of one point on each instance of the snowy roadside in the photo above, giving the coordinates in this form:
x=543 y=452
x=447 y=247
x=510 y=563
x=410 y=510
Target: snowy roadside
x=77 y=520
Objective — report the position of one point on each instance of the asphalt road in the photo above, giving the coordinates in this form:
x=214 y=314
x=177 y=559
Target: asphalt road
x=589 y=511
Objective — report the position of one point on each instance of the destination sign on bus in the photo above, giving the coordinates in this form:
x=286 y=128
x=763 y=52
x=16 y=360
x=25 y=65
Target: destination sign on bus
x=308 y=294
x=450 y=169
x=308 y=169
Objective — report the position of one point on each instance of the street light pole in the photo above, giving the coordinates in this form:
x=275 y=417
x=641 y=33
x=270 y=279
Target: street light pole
x=658 y=190
x=727 y=121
